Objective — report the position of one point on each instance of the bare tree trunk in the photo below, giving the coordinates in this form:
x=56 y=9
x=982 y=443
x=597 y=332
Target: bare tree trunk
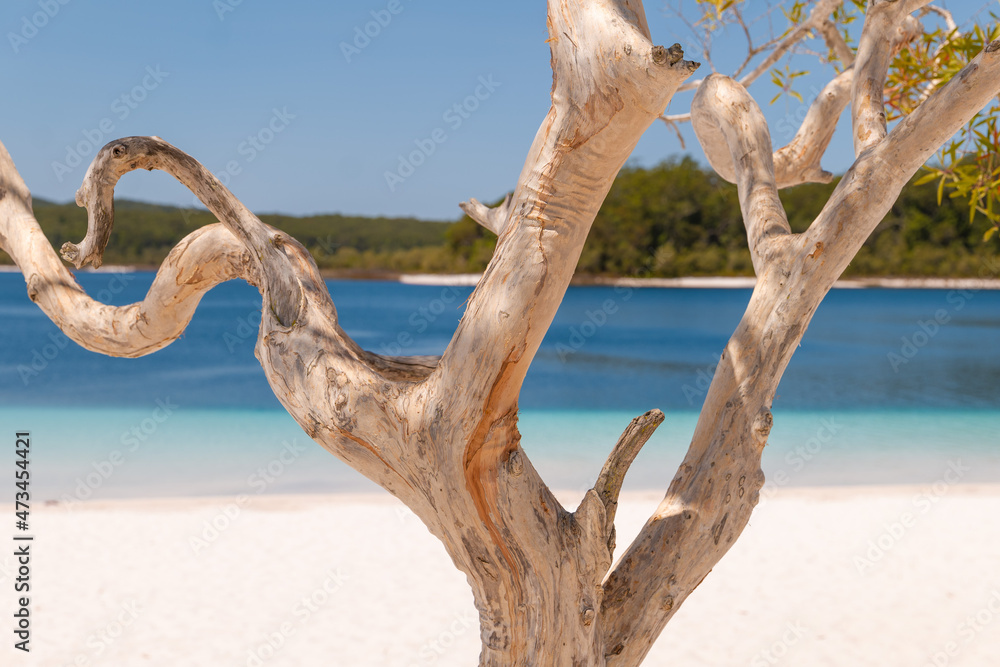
x=441 y=434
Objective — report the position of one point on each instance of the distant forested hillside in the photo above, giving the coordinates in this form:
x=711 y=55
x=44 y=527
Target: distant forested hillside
x=675 y=219
x=145 y=233
x=678 y=219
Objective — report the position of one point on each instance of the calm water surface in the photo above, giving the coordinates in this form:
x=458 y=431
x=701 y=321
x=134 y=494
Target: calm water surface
x=888 y=386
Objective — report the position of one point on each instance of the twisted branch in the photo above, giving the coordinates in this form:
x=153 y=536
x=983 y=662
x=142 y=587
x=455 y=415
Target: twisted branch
x=198 y=263
x=116 y=159
x=321 y=376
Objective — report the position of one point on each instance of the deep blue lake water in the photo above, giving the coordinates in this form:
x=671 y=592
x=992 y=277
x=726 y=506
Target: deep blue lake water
x=888 y=386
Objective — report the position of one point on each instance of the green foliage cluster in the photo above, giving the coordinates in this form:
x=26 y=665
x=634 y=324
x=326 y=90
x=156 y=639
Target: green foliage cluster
x=675 y=219
x=680 y=220
x=967 y=167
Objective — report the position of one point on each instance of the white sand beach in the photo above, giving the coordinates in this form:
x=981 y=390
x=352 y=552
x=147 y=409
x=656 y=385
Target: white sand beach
x=898 y=576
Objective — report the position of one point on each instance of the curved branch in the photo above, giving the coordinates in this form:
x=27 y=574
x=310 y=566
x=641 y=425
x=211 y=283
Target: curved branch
x=800 y=160
x=736 y=141
x=198 y=263
x=338 y=393
x=282 y=291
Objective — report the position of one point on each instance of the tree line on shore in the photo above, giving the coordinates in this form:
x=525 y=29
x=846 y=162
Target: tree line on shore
x=675 y=219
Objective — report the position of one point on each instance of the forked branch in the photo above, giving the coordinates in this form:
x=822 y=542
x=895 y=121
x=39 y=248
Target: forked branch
x=800 y=160
x=710 y=498
x=612 y=477
x=874 y=182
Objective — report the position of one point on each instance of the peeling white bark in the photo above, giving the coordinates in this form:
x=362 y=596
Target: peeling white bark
x=442 y=434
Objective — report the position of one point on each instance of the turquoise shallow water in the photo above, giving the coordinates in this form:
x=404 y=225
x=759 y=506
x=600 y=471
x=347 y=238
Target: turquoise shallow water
x=878 y=393
x=88 y=453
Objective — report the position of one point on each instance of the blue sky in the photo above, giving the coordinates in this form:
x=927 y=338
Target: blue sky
x=265 y=96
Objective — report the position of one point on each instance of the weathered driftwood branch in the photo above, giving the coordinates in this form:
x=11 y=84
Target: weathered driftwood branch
x=442 y=434
x=799 y=161
x=240 y=247
x=204 y=259
x=493 y=219
x=710 y=498
x=725 y=117
x=612 y=477
x=610 y=83
x=282 y=292
x=717 y=486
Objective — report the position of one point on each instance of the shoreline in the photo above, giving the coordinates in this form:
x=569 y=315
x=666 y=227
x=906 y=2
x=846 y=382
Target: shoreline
x=718 y=282
x=686 y=282
x=279 y=502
